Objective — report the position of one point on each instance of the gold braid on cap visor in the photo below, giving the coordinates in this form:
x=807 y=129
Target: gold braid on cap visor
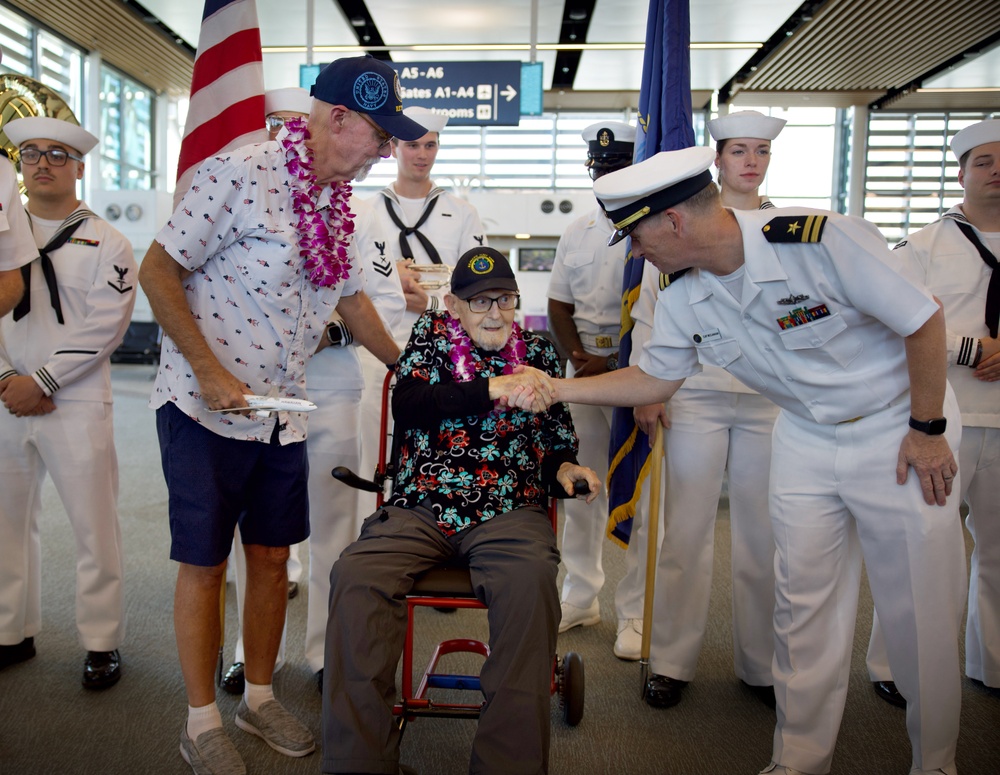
x=658 y=201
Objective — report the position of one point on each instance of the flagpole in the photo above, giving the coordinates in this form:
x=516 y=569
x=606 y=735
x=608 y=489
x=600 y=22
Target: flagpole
x=655 y=476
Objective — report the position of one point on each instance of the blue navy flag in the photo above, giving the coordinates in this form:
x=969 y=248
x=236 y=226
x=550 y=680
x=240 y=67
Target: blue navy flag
x=664 y=125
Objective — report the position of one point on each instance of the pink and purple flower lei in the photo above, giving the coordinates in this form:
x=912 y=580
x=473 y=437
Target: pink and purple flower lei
x=323 y=243
x=514 y=352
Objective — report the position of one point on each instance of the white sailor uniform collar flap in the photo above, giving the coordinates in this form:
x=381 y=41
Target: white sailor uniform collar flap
x=390 y=193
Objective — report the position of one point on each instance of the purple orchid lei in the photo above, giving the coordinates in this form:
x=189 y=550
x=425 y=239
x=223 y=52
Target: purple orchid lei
x=323 y=242
x=514 y=352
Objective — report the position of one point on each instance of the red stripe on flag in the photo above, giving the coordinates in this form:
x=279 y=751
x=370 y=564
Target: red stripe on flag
x=238 y=49
x=209 y=137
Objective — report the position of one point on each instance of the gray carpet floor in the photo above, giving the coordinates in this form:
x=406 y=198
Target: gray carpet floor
x=49 y=724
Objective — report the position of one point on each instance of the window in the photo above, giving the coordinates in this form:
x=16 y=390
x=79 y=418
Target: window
x=911 y=176
x=36 y=53
x=126 y=132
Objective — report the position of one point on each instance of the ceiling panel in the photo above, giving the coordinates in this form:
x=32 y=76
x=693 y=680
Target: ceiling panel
x=847 y=52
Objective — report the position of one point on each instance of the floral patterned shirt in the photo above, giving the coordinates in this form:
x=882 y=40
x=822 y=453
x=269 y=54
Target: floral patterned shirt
x=458 y=453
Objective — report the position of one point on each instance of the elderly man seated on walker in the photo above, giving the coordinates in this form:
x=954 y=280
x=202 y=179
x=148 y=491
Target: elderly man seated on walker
x=472 y=480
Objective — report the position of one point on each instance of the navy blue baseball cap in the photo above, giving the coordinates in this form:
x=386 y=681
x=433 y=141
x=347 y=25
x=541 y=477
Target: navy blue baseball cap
x=367 y=85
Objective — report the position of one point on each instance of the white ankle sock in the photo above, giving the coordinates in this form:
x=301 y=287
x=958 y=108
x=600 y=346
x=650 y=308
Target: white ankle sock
x=204 y=719
x=257 y=694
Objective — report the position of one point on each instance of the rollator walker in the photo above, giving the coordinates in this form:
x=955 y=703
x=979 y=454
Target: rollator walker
x=449 y=587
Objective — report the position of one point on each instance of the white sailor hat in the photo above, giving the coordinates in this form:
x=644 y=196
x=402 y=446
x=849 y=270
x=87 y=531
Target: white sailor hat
x=433 y=122
x=20 y=130
x=979 y=133
x=662 y=181
x=291 y=99
x=607 y=137
x=745 y=123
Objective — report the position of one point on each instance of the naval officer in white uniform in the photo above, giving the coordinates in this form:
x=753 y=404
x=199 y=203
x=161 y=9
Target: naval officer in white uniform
x=810 y=309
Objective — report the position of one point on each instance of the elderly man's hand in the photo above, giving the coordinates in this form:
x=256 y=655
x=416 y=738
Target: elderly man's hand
x=527 y=388
x=569 y=473
x=416 y=296
x=221 y=390
x=21 y=396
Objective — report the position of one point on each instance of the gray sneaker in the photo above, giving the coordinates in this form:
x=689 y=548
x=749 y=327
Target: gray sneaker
x=213 y=753
x=276 y=727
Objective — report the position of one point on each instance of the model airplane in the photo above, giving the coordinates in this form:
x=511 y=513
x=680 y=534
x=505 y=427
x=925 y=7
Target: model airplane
x=264 y=405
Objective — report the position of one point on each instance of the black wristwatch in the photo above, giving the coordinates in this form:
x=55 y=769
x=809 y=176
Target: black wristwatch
x=933 y=427
x=612 y=362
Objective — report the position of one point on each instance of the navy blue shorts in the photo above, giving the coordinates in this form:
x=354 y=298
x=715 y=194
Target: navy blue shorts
x=216 y=483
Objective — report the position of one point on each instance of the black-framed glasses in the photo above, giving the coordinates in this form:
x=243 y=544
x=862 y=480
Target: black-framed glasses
x=507 y=301
x=56 y=156
x=384 y=136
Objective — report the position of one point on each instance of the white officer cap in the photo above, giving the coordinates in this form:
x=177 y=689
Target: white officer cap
x=609 y=137
x=662 y=181
x=20 y=130
x=745 y=123
x=291 y=99
x=979 y=133
x=431 y=121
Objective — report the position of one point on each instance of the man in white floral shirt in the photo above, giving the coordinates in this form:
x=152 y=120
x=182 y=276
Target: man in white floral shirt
x=243 y=279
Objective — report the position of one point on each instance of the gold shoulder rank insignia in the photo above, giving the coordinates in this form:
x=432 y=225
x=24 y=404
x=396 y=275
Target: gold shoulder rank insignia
x=795 y=228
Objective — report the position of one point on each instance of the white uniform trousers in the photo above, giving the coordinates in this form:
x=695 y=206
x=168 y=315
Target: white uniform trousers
x=833 y=490
x=713 y=431
x=585 y=526
x=979 y=469
x=75 y=445
x=334 y=521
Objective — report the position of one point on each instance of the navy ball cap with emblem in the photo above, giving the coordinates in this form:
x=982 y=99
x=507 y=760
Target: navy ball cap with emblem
x=367 y=85
x=482 y=269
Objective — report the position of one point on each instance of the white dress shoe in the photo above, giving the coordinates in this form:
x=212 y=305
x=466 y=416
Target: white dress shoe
x=628 y=645
x=777 y=769
x=573 y=616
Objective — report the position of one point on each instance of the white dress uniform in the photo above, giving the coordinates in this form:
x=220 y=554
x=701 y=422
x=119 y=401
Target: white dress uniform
x=336 y=383
x=453 y=227
x=587 y=273
x=943 y=258
x=718 y=426
x=96 y=275
x=818 y=326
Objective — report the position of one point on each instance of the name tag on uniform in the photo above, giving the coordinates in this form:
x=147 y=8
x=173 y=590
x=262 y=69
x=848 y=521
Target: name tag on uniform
x=707 y=336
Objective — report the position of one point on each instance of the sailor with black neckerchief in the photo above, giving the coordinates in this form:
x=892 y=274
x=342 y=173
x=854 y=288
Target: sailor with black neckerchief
x=55 y=384
x=425 y=224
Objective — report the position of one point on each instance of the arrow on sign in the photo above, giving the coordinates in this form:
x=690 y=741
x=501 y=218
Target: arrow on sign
x=510 y=93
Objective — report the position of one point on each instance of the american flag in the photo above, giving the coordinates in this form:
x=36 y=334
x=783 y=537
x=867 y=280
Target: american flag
x=227 y=87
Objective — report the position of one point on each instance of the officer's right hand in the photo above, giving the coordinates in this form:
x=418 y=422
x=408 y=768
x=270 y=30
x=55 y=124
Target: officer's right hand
x=646 y=417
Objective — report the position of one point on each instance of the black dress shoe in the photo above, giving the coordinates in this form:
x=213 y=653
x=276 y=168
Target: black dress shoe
x=662 y=691
x=101 y=669
x=293 y=589
x=319 y=680
x=763 y=693
x=19 y=652
x=234 y=682
x=887 y=691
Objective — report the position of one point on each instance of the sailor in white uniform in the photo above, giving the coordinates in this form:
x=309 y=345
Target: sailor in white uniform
x=17 y=248
x=956 y=257
x=585 y=319
x=55 y=384
x=719 y=428
x=809 y=308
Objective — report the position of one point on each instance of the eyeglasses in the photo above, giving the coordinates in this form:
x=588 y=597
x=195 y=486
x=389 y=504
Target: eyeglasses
x=55 y=156
x=485 y=303
x=384 y=136
x=274 y=123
